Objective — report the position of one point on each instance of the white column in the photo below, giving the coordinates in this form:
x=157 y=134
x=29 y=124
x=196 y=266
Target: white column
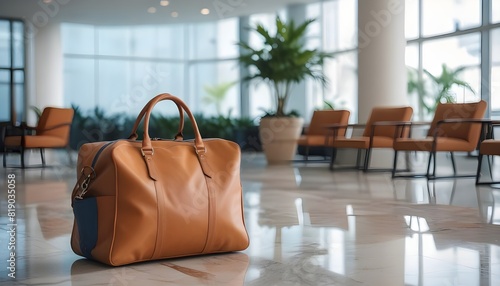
x=381 y=55
x=297 y=100
x=47 y=80
x=48 y=67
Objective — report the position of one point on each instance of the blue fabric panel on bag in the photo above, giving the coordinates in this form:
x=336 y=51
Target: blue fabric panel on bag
x=85 y=212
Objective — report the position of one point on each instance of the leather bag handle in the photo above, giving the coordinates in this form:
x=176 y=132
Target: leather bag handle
x=147 y=150
x=178 y=137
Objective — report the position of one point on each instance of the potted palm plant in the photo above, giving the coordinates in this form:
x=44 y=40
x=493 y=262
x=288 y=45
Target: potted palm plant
x=282 y=61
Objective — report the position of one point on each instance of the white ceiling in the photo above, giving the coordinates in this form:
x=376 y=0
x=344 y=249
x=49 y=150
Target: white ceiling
x=132 y=12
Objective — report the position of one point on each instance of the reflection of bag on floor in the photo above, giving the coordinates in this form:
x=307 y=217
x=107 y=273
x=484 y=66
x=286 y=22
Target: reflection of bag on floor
x=224 y=269
x=153 y=199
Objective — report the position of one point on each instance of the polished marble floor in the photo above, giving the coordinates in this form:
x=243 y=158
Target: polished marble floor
x=307 y=225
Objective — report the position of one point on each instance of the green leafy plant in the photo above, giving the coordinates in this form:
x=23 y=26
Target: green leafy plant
x=443 y=84
x=216 y=94
x=37 y=111
x=416 y=85
x=96 y=125
x=283 y=60
x=441 y=87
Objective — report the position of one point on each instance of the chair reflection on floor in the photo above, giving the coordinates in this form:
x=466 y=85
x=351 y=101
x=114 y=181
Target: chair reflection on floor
x=489 y=205
x=425 y=192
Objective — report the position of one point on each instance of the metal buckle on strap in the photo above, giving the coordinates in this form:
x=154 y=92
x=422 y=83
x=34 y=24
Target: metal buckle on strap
x=84 y=185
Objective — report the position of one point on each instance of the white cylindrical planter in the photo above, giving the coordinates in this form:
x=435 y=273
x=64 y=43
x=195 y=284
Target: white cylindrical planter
x=279 y=137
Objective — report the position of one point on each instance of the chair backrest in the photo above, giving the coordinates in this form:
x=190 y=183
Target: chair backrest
x=378 y=114
x=322 y=118
x=466 y=131
x=55 y=122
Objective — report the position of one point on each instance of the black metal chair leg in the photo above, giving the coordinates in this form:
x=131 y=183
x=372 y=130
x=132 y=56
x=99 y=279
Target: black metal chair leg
x=22 y=157
x=332 y=159
x=453 y=163
x=434 y=164
x=429 y=164
x=358 y=159
x=394 y=164
x=367 y=159
x=4 y=159
x=42 y=154
x=479 y=162
x=334 y=154
x=490 y=162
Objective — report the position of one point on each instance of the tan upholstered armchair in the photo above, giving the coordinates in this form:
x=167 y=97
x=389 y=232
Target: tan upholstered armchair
x=489 y=147
x=379 y=132
x=456 y=127
x=317 y=134
x=52 y=131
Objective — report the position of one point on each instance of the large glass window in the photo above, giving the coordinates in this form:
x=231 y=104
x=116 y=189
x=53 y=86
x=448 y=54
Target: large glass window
x=446 y=16
x=18 y=45
x=215 y=88
x=12 y=93
x=119 y=68
x=336 y=34
x=4 y=95
x=79 y=83
x=413 y=78
x=339 y=25
x=495 y=11
x=412 y=11
x=454 y=53
x=495 y=71
x=214 y=39
x=443 y=21
x=5 y=43
x=342 y=89
x=170 y=42
x=114 y=41
x=82 y=39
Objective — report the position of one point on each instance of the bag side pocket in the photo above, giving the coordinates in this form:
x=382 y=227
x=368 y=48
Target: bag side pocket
x=85 y=212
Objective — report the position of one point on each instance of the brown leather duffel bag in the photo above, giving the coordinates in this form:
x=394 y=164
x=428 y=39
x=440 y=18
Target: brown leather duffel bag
x=154 y=199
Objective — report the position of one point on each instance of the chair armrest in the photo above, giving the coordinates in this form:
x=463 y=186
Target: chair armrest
x=464 y=120
x=23 y=128
x=486 y=125
x=57 y=126
x=401 y=126
x=335 y=128
x=392 y=123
